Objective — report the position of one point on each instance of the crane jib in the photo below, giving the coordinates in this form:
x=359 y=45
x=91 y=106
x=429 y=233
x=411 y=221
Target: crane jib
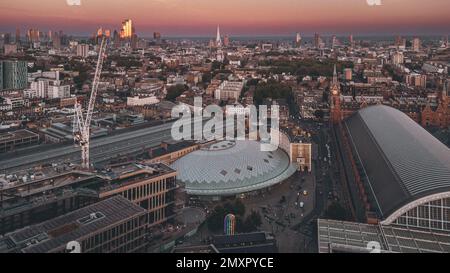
x=81 y=125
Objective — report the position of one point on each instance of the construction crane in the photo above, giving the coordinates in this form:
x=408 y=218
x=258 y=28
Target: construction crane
x=82 y=124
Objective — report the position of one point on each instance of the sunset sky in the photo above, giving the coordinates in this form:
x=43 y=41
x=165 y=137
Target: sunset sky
x=236 y=17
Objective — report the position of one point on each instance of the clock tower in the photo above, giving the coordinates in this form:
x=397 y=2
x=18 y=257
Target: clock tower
x=335 y=105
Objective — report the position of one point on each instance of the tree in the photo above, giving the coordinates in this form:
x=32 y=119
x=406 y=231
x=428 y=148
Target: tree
x=237 y=207
x=216 y=65
x=275 y=90
x=252 y=222
x=175 y=91
x=215 y=220
x=206 y=77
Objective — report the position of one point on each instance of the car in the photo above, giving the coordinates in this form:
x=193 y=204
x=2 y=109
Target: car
x=305 y=192
x=302 y=204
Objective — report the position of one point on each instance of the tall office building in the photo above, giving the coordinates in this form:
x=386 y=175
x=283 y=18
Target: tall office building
x=134 y=41
x=82 y=50
x=56 y=40
x=116 y=39
x=33 y=35
x=127 y=30
x=334 y=41
x=6 y=38
x=226 y=40
x=317 y=40
x=400 y=42
x=298 y=40
x=100 y=32
x=416 y=44
x=14 y=75
x=17 y=40
x=218 y=39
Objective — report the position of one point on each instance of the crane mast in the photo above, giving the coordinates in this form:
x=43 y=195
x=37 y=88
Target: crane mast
x=82 y=124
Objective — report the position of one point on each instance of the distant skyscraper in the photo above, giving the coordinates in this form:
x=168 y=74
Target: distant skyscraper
x=127 y=30
x=317 y=40
x=33 y=35
x=212 y=43
x=82 y=50
x=226 y=40
x=99 y=32
x=298 y=40
x=116 y=39
x=218 y=39
x=14 y=75
x=350 y=40
x=17 y=36
x=400 y=42
x=416 y=44
x=56 y=39
x=134 y=41
x=6 y=38
x=157 y=36
x=334 y=41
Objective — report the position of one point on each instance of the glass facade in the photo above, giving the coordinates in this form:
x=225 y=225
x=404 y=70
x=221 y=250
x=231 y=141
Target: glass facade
x=433 y=215
x=14 y=75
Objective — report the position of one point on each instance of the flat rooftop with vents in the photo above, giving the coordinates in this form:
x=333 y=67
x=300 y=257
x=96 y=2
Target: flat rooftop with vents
x=53 y=235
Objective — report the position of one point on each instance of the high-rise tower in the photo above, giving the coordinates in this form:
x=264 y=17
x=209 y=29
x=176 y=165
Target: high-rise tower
x=218 y=39
x=127 y=30
x=17 y=36
x=298 y=40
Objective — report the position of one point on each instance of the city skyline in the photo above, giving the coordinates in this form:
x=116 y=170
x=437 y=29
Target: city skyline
x=199 y=17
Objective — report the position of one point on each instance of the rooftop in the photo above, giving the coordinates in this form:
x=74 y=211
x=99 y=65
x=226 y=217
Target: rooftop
x=56 y=233
x=401 y=161
x=229 y=167
x=254 y=242
x=16 y=135
x=355 y=237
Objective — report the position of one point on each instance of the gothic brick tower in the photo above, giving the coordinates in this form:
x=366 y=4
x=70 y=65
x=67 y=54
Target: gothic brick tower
x=335 y=105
